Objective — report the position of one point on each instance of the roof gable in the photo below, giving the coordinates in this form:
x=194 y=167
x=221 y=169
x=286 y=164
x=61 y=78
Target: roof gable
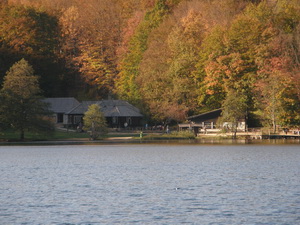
x=61 y=105
x=206 y=116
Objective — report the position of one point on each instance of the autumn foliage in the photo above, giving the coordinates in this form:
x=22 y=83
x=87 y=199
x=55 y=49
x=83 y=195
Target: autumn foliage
x=172 y=58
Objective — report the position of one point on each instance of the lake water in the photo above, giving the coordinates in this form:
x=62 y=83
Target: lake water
x=150 y=184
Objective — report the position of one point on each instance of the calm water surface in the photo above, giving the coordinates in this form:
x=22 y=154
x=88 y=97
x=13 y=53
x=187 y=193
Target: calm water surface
x=150 y=184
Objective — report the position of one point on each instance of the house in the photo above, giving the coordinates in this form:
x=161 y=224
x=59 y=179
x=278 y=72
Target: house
x=118 y=113
x=207 y=122
x=208 y=119
x=60 y=106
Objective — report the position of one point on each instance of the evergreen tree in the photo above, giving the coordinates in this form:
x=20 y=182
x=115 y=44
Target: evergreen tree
x=21 y=107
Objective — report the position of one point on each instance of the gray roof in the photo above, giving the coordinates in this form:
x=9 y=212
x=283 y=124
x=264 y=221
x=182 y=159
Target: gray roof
x=61 y=105
x=110 y=108
x=213 y=112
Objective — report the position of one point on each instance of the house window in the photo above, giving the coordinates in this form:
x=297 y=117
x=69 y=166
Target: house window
x=60 y=117
x=115 y=120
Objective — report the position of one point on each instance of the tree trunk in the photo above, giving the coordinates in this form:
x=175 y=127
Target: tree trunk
x=274 y=125
x=234 y=129
x=234 y=134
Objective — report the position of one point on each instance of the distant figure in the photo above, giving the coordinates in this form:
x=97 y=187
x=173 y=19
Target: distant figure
x=167 y=130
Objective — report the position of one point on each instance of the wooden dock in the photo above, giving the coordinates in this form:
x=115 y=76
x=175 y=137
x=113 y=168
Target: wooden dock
x=251 y=135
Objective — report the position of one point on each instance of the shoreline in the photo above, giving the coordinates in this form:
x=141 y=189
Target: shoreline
x=160 y=138
x=130 y=140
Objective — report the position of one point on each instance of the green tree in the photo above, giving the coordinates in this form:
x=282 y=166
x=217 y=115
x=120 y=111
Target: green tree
x=164 y=76
x=234 y=109
x=95 y=122
x=21 y=107
x=184 y=43
x=127 y=87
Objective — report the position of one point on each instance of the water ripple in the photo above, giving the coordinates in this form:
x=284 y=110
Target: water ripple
x=146 y=184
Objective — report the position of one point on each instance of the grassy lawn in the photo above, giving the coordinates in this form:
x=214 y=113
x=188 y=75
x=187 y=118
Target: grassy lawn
x=33 y=136
x=172 y=135
x=12 y=136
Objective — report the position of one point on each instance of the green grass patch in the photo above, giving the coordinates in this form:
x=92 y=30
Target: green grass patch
x=116 y=134
x=172 y=136
x=13 y=136
x=10 y=135
x=65 y=135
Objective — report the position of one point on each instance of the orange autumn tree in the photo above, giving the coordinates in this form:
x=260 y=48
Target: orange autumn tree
x=278 y=61
x=165 y=77
x=277 y=90
x=91 y=34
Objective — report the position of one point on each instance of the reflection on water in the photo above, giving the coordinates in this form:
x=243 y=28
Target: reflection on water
x=150 y=184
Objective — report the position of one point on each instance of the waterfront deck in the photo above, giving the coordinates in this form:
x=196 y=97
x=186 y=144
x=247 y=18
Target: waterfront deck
x=251 y=134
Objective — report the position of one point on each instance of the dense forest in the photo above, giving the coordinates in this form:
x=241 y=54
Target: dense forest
x=171 y=58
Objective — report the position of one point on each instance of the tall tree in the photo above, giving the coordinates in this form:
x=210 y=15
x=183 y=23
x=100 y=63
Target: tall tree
x=234 y=109
x=278 y=68
x=91 y=34
x=228 y=59
x=127 y=87
x=277 y=88
x=21 y=107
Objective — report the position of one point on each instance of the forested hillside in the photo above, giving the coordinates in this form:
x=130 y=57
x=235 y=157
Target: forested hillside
x=172 y=58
